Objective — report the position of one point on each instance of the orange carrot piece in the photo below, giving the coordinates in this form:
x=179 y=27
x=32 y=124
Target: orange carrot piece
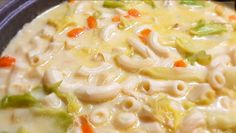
x=85 y=126
x=144 y=35
x=71 y=1
x=75 y=32
x=92 y=22
x=180 y=63
x=7 y=61
x=232 y=17
x=134 y=12
x=116 y=19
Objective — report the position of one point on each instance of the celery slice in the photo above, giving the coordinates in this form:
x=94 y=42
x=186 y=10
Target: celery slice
x=200 y=57
x=18 y=101
x=192 y=2
x=113 y=4
x=185 y=74
x=211 y=28
x=62 y=119
x=150 y=2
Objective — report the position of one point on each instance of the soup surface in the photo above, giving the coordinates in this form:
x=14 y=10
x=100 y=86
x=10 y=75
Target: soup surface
x=122 y=67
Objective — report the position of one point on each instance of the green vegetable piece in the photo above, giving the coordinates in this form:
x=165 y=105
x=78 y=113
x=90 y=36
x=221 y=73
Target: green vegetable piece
x=113 y=4
x=22 y=130
x=200 y=57
x=150 y=2
x=73 y=105
x=62 y=118
x=52 y=88
x=193 y=2
x=185 y=46
x=97 y=14
x=203 y=29
x=124 y=23
x=18 y=101
x=184 y=74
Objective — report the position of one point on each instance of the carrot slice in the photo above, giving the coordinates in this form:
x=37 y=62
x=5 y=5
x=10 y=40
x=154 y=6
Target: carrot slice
x=85 y=126
x=180 y=63
x=134 y=12
x=92 y=22
x=116 y=19
x=75 y=32
x=232 y=17
x=144 y=35
x=71 y=1
x=7 y=61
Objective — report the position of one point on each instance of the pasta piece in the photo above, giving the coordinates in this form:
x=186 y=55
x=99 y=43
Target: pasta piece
x=221 y=120
x=70 y=43
x=216 y=79
x=108 y=32
x=174 y=88
x=191 y=121
x=146 y=114
x=124 y=120
x=153 y=127
x=139 y=47
x=132 y=65
x=201 y=94
x=184 y=74
x=156 y=47
x=230 y=75
x=93 y=93
x=99 y=116
x=52 y=76
x=220 y=61
x=85 y=71
x=130 y=104
x=48 y=32
x=52 y=101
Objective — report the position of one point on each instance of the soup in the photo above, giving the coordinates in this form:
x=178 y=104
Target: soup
x=122 y=67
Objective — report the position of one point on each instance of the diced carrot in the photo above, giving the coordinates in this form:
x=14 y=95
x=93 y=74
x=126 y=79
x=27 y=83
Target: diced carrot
x=71 y=1
x=144 y=35
x=116 y=19
x=75 y=32
x=85 y=126
x=232 y=17
x=134 y=12
x=180 y=63
x=7 y=61
x=92 y=22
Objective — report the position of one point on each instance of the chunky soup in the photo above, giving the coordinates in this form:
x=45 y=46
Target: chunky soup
x=118 y=66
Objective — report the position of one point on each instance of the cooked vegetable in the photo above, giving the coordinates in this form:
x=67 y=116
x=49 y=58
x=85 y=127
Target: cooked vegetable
x=180 y=63
x=124 y=23
x=18 y=101
x=116 y=18
x=165 y=112
x=144 y=35
x=7 y=61
x=85 y=126
x=22 y=130
x=92 y=22
x=203 y=28
x=73 y=105
x=232 y=17
x=186 y=47
x=75 y=32
x=134 y=13
x=193 y=2
x=62 y=119
x=113 y=4
x=97 y=14
x=150 y=2
x=184 y=74
x=200 y=57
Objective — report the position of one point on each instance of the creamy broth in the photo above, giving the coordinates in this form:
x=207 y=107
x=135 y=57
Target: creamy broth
x=122 y=67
